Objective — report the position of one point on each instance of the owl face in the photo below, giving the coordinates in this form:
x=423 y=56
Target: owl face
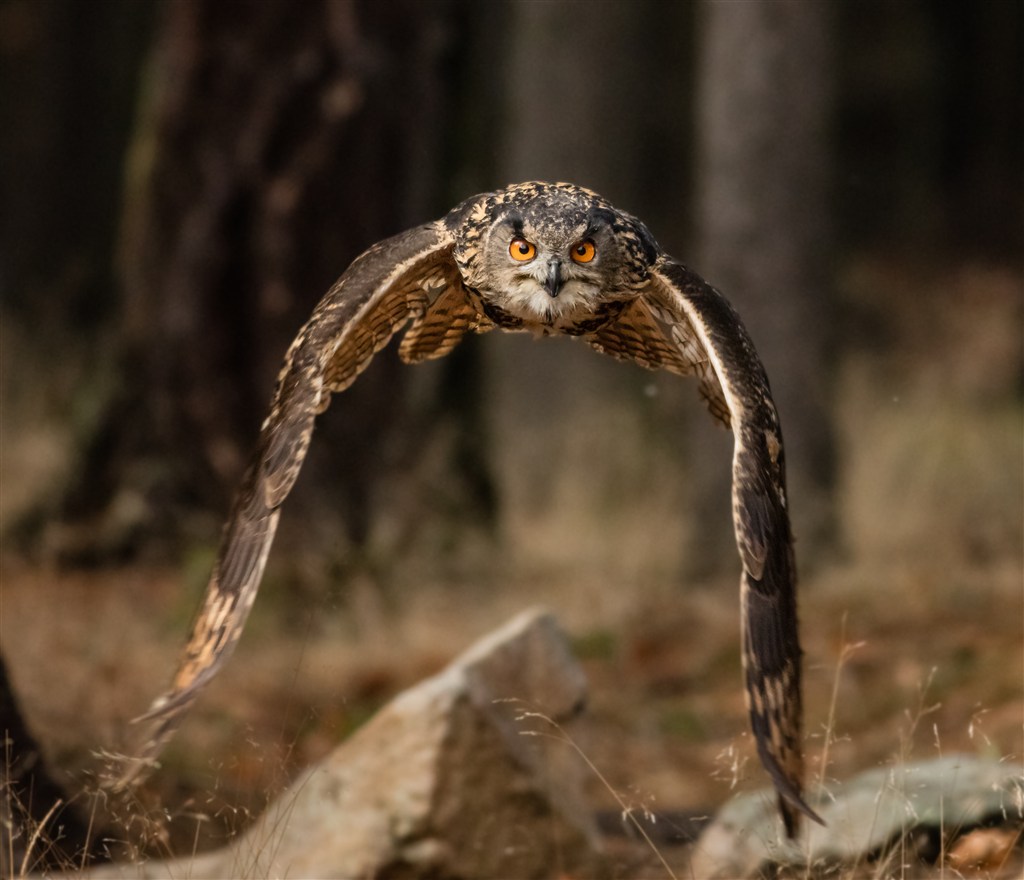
x=556 y=259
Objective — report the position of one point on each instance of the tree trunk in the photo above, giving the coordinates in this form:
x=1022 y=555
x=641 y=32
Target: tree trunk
x=280 y=141
x=765 y=80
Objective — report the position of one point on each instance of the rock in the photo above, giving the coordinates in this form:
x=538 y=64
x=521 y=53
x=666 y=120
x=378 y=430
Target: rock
x=442 y=782
x=863 y=815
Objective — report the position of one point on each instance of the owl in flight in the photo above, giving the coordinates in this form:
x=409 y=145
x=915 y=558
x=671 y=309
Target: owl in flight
x=549 y=259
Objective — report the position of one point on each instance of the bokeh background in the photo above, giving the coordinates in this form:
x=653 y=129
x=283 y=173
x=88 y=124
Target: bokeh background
x=182 y=180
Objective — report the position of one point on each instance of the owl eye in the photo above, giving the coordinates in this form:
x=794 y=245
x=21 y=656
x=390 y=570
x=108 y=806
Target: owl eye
x=521 y=250
x=584 y=251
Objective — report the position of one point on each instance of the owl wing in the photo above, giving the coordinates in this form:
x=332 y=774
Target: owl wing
x=409 y=277
x=713 y=343
x=649 y=335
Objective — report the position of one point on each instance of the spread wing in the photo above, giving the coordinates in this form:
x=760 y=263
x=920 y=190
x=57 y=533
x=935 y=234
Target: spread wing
x=409 y=277
x=649 y=334
x=683 y=324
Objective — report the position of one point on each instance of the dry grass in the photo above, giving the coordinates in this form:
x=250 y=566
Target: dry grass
x=667 y=724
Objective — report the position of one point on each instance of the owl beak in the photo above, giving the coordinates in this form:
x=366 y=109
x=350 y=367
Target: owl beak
x=553 y=283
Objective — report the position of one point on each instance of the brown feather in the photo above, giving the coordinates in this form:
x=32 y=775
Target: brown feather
x=656 y=338
x=439 y=329
x=735 y=380
x=380 y=291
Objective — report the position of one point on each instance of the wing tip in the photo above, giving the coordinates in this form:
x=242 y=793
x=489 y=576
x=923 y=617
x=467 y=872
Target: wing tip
x=792 y=807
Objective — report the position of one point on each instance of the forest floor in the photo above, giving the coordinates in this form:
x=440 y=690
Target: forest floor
x=913 y=678
x=913 y=634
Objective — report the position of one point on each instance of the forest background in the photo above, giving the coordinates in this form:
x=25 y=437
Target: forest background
x=181 y=181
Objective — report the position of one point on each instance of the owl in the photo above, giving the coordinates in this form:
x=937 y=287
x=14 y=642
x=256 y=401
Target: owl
x=548 y=259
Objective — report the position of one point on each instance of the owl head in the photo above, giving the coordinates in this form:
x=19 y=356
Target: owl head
x=553 y=254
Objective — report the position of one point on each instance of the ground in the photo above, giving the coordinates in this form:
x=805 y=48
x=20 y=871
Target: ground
x=666 y=725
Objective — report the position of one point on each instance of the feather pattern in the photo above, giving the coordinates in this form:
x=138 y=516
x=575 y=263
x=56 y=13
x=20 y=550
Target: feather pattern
x=771 y=648
x=380 y=291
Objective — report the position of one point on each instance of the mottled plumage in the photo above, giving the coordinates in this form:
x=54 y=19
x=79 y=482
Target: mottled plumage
x=550 y=259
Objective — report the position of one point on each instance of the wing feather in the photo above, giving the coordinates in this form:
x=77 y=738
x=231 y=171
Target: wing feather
x=635 y=335
x=709 y=331
x=656 y=338
x=383 y=289
x=442 y=325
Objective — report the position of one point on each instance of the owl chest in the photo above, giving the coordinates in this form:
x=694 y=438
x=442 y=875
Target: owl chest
x=552 y=323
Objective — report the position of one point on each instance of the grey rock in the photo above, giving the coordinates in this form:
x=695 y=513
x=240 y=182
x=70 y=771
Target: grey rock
x=442 y=782
x=863 y=815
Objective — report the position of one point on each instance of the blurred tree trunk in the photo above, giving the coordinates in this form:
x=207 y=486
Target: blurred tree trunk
x=585 y=130
x=279 y=140
x=587 y=447
x=765 y=82
x=68 y=78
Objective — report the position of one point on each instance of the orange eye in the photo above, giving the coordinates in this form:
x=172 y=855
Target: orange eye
x=521 y=250
x=584 y=251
